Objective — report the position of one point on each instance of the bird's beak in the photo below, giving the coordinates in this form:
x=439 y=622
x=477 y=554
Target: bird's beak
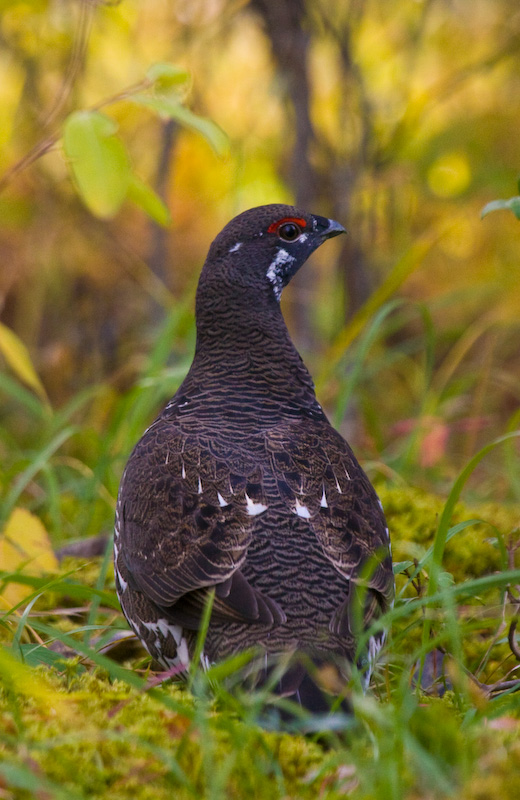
x=333 y=229
x=327 y=228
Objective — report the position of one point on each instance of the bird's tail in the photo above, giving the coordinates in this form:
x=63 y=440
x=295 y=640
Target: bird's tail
x=299 y=686
x=317 y=687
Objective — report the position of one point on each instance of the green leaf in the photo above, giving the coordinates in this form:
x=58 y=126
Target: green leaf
x=98 y=161
x=38 y=462
x=19 y=678
x=28 y=778
x=34 y=655
x=61 y=585
x=170 y=109
x=166 y=76
x=401 y=566
x=513 y=204
x=144 y=196
x=429 y=553
x=23 y=396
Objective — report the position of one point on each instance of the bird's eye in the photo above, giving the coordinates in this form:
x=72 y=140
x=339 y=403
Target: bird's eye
x=289 y=231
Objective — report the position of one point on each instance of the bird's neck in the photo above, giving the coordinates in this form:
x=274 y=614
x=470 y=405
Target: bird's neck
x=244 y=349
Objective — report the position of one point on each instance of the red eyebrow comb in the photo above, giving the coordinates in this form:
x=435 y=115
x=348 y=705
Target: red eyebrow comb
x=273 y=228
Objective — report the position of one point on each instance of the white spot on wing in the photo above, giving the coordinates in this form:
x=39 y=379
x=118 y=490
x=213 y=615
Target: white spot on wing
x=199 y=489
x=162 y=629
x=165 y=628
x=375 y=644
x=122 y=583
x=221 y=501
x=301 y=510
x=254 y=508
x=116 y=524
x=183 y=470
x=182 y=652
x=235 y=247
x=389 y=542
x=323 y=501
x=160 y=626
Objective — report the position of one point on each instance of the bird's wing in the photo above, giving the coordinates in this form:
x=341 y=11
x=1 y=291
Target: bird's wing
x=322 y=482
x=186 y=512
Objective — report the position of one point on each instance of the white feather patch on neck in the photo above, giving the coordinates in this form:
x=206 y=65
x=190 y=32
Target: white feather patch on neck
x=274 y=273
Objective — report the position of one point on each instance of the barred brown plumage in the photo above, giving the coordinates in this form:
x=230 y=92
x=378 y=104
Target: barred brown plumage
x=242 y=485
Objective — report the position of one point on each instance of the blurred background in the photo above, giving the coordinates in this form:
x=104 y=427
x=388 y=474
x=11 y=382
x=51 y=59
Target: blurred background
x=401 y=120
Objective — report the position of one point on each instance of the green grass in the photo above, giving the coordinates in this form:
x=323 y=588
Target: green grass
x=82 y=719
x=84 y=725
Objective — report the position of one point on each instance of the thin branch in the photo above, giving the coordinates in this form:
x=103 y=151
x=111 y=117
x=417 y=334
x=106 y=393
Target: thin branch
x=77 y=59
x=47 y=144
x=29 y=158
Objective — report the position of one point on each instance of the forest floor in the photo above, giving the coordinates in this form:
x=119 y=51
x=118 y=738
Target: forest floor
x=84 y=717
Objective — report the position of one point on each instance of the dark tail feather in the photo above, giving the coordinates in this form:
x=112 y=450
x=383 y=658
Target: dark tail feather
x=313 y=687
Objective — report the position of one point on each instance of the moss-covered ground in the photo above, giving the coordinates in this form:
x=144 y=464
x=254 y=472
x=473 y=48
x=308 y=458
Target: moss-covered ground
x=80 y=720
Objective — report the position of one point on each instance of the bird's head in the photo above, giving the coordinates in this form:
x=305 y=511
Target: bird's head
x=264 y=247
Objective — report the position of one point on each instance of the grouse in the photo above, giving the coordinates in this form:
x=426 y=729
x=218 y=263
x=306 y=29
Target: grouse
x=242 y=489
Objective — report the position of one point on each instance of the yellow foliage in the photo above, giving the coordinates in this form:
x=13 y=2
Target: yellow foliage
x=11 y=87
x=449 y=175
x=26 y=682
x=24 y=547
x=17 y=357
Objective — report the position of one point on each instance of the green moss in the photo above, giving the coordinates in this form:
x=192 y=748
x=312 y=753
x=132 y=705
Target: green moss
x=413 y=516
x=96 y=738
x=116 y=742
x=86 y=570
x=499 y=764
